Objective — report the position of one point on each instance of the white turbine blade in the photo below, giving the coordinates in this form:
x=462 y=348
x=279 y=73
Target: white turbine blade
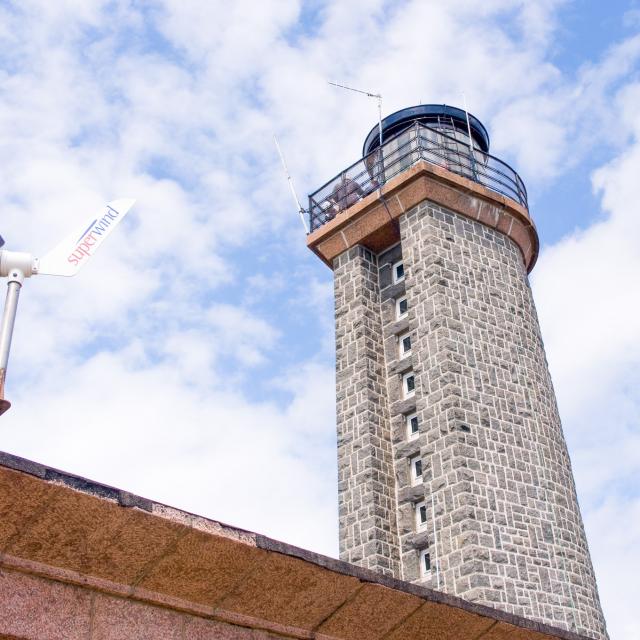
x=74 y=252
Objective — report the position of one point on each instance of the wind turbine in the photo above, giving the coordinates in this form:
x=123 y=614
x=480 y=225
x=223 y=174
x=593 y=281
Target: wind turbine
x=66 y=259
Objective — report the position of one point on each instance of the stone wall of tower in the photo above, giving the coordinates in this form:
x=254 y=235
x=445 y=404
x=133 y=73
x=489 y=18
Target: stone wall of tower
x=366 y=486
x=502 y=523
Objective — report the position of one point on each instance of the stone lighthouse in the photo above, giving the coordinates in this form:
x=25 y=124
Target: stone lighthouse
x=453 y=467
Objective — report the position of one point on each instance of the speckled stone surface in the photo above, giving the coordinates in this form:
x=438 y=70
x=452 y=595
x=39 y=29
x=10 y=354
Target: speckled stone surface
x=502 y=526
x=121 y=619
x=367 y=501
x=34 y=608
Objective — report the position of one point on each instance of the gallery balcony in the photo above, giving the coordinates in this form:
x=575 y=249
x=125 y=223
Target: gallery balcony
x=450 y=151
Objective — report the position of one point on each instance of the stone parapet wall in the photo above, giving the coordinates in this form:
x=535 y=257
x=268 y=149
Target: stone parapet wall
x=36 y=608
x=81 y=560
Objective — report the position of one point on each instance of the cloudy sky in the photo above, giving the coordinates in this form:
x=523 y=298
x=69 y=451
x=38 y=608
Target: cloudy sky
x=192 y=360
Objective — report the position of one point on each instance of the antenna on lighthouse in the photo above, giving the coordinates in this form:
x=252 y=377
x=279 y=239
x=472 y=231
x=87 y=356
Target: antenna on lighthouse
x=301 y=210
x=472 y=157
x=466 y=113
x=66 y=259
x=369 y=94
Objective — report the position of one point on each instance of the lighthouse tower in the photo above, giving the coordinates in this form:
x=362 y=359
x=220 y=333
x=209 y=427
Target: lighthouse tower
x=453 y=468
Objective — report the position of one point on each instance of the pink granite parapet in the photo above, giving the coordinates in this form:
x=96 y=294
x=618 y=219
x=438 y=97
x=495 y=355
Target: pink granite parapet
x=81 y=560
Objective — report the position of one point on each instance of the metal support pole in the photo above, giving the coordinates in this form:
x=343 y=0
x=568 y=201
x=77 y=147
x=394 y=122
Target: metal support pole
x=472 y=156
x=381 y=162
x=379 y=96
x=435 y=541
x=16 y=278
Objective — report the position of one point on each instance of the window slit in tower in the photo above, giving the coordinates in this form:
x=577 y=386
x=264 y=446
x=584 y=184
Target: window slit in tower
x=413 y=426
x=398 y=272
x=421 y=515
x=425 y=564
x=408 y=384
x=401 y=307
x=415 y=463
x=404 y=344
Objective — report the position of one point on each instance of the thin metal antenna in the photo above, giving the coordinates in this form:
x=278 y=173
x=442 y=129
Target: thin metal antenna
x=435 y=541
x=472 y=155
x=301 y=211
x=378 y=96
x=466 y=113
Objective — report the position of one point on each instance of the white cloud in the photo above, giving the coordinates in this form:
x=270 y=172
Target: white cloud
x=615 y=525
x=586 y=289
x=240 y=334
x=217 y=453
x=150 y=369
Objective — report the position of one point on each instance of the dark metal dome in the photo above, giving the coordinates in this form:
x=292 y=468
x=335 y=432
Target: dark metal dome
x=434 y=115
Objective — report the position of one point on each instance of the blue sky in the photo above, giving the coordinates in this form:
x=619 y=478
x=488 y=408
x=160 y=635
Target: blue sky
x=192 y=360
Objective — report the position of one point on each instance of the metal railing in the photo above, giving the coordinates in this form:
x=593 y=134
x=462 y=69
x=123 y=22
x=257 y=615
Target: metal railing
x=419 y=142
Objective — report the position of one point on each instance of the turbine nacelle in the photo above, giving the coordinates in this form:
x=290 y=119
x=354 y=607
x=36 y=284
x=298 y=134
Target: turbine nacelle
x=17 y=261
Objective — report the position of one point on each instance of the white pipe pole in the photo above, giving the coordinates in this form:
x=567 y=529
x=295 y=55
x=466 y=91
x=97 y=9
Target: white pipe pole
x=379 y=96
x=472 y=158
x=466 y=113
x=435 y=540
x=16 y=277
x=380 y=153
x=8 y=322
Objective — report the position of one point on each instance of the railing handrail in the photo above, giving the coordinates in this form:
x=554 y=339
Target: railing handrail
x=481 y=167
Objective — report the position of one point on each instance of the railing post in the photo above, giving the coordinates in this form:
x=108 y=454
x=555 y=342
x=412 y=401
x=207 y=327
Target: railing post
x=472 y=159
x=418 y=145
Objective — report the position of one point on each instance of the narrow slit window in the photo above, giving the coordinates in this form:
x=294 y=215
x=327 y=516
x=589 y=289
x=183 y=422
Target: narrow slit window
x=413 y=429
x=408 y=384
x=425 y=564
x=402 y=307
x=404 y=344
x=398 y=272
x=415 y=462
x=421 y=515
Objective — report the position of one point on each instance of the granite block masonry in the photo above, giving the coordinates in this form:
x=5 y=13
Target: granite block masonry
x=453 y=467
x=365 y=470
